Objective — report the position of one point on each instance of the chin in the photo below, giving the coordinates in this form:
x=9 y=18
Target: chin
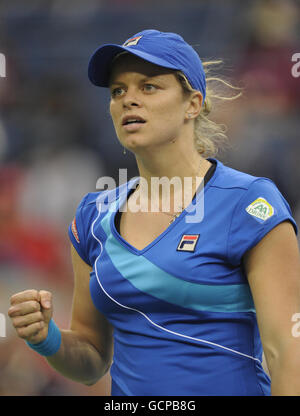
x=135 y=142
x=138 y=143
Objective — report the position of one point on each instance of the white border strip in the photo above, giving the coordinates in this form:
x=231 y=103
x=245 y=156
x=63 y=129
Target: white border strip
x=148 y=319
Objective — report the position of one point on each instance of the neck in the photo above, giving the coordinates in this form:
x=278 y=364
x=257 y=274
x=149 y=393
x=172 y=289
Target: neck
x=173 y=159
x=182 y=173
x=183 y=166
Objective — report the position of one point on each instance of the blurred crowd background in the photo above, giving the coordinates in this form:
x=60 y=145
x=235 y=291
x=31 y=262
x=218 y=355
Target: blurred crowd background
x=57 y=138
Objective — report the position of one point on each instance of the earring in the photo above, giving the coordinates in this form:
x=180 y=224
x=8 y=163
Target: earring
x=124 y=151
x=189 y=115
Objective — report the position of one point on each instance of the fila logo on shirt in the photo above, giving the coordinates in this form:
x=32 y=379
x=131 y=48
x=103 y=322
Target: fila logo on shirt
x=188 y=242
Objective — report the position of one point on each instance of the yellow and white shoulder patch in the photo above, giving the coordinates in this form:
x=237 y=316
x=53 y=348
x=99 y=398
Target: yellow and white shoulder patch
x=261 y=209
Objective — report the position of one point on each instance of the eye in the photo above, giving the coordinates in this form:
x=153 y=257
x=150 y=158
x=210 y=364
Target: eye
x=149 y=88
x=117 y=92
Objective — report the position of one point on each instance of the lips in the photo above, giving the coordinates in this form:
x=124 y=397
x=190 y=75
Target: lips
x=132 y=119
x=132 y=123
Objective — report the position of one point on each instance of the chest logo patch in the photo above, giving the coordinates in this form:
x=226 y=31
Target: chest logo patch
x=188 y=242
x=261 y=209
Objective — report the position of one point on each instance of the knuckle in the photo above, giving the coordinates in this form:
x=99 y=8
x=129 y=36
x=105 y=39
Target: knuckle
x=39 y=316
x=36 y=306
x=16 y=322
x=14 y=298
x=24 y=296
x=29 y=331
x=35 y=328
x=34 y=293
x=12 y=312
x=36 y=325
x=46 y=293
x=35 y=317
x=28 y=319
x=21 y=332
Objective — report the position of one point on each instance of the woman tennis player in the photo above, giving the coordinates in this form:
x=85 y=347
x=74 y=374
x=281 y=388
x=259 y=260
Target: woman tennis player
x=173 y=305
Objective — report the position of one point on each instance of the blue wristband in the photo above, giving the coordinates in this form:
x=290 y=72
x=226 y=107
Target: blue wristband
x=51 y=344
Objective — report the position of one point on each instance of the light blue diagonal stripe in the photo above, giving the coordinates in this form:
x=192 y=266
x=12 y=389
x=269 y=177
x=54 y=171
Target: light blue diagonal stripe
x=149 y=278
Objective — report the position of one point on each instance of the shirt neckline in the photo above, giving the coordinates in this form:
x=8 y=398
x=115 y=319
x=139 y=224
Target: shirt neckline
x=209 y=178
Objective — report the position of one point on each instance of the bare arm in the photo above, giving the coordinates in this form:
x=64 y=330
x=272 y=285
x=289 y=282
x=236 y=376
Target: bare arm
x=85 y=353
x=273 y=270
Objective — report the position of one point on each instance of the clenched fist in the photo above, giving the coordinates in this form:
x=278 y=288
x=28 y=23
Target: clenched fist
x=31 y=312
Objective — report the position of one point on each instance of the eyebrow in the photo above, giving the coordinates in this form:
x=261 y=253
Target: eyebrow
x=145 y=78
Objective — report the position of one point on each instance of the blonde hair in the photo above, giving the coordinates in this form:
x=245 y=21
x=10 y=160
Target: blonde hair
x=210 y=136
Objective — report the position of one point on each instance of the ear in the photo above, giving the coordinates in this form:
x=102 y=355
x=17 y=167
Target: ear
x=194 y=105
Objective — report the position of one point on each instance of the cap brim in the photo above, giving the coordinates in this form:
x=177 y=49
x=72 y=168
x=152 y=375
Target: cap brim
x=100 y=62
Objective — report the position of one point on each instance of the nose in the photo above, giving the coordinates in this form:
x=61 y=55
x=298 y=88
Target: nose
x=131 y=98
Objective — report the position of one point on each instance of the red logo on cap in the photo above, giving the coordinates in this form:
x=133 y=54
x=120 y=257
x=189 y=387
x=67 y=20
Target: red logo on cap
x=133 y=41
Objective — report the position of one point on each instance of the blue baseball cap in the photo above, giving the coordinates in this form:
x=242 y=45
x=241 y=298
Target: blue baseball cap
x=168 y=50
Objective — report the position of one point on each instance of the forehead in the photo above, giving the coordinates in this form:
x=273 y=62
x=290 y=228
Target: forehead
x=129 y=63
